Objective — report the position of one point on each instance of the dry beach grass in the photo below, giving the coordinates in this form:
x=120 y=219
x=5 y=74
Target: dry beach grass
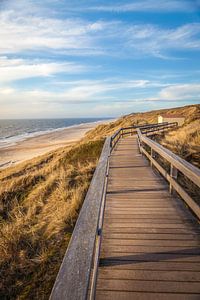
x=39 y=204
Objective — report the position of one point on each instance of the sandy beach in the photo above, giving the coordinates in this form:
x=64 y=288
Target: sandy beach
x=42 y=144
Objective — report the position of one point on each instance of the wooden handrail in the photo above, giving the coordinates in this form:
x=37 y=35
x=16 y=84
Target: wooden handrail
x=121 y=132
x=177 y=164
x=159 y=128
x=145 y=126
x=72 y=281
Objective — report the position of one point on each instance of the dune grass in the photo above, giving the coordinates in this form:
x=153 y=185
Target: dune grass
x=39 y=204
x=190 y=113
x=184 y=141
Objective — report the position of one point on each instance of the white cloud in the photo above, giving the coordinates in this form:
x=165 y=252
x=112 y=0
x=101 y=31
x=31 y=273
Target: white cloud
x=24 y=32
x=152 y=40
x=6 y=91
x=150 y=5
x=97 y=91
x=181 y=92
x=20 y=32
x=75 y=92
x=15 y=69
x=175 y=92
x=96 y=95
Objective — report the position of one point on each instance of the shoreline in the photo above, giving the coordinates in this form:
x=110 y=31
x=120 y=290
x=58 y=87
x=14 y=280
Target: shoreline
x=44 y=143
x=14 y=140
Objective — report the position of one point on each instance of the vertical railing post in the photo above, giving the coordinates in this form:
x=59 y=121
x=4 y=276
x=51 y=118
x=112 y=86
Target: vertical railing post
x=173 y=174
x=152 y=155
x=139 y=143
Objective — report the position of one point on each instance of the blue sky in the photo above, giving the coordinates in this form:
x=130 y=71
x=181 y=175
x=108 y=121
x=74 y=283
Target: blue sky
x=97 y=58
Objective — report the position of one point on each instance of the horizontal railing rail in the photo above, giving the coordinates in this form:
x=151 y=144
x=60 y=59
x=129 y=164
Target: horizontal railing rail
x=162 y=127
x=177 y=165
x=132 y=130
x=73 y=278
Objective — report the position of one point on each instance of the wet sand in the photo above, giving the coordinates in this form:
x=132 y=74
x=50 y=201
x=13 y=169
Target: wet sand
x=42 y=144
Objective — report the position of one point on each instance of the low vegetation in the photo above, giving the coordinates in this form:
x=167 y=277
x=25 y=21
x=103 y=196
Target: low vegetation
x=191 y=113
x=40 y=201
x=184 y=141
x=39 y=204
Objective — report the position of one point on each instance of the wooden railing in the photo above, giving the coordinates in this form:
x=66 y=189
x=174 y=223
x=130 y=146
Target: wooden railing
x=73 y=279
x=177 y=165
x=148 y=131
x=133 y=129
x=76 y=279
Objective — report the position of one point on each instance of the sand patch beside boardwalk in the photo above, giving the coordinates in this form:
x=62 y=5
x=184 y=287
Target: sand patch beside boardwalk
x=42 y=144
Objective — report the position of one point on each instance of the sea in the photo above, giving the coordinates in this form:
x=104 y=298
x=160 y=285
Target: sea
x=13 y=131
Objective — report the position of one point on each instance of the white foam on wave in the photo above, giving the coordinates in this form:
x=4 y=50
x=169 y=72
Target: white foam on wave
x=13 y=140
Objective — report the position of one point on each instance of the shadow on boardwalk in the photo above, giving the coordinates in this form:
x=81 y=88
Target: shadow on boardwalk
x=150 y=257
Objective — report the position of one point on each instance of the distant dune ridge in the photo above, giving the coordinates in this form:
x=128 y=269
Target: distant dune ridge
x=185 y=141
x=40 y=200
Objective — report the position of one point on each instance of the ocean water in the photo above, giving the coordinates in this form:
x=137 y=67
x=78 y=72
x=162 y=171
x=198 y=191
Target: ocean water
x=12 y=131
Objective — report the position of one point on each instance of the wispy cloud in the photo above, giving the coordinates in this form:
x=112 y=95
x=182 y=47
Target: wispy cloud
x=181 y=91
x=16 y=69
x=175 y=92
x=150 y=6
x=155 y=41
x=20 y=32
x=102 y=97
x=75 y=92
x=24 y=33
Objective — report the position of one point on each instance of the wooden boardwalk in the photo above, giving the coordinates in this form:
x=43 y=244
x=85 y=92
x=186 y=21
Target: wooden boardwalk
x=150 y=243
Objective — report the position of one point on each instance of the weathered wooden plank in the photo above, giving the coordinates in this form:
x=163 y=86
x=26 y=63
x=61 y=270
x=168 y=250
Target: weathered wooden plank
x=177 y=256
x=147 y=230
x=124 y=219
x=190 y=276
x=156 y=197
x=118 y=295
x=122 y=201
x=144 y=211
x=138 y=184
x=121 y=240
x=121 y=190
x=111 y=264
x=143 y=225
x=128 y=181
x=133 y=208
x=193 y=238
x=148 y=286
x=115 y=207
x=151 y=209
x=149 y=218
x=131 y=171
x=127 y=248
x=134 y=216
x=148 y=203
x=149 y=195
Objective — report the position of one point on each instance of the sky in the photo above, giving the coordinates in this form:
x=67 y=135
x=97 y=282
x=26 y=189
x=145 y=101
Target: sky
x=62 y=59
